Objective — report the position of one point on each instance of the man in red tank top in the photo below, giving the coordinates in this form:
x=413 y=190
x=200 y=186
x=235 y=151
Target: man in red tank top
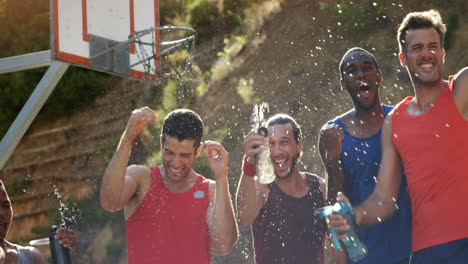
x=172 y=214
x=426 y=134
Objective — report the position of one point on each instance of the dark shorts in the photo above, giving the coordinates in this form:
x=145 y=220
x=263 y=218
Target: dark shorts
x=455 y=252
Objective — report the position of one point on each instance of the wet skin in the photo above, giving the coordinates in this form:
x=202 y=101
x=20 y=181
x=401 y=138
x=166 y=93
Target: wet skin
x=424 y=57
x=178 y=159
x=361 y=79
x=284 y=150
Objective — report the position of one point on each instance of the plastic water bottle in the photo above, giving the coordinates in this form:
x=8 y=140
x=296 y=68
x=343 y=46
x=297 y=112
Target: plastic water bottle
x=356 y=249
x=60 y=254
x=265 y=170
x=263 y=164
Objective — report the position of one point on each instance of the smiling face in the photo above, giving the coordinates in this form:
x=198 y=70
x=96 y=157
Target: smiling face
x=6 y=213
x=285 y=152
x=424 y=57
x=361 y=78
x=178 y=158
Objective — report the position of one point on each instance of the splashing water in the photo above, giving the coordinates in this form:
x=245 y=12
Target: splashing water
x=66 y=214
x=265 y=171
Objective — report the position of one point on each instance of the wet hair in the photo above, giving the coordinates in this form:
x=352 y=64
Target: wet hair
x=356 y=49
x=183 y=124
x=418 y=20
x=282 y=119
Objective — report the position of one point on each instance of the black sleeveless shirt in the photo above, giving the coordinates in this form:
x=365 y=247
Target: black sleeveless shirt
x=286 y=230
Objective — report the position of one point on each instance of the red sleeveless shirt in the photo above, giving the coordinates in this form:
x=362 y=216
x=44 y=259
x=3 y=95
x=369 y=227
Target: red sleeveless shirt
x=434 y=151
x=170 y=227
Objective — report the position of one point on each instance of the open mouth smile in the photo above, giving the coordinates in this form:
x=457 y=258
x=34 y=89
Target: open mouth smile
x=364 y=90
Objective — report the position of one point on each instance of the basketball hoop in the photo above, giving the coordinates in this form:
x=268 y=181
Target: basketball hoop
x=178 y=54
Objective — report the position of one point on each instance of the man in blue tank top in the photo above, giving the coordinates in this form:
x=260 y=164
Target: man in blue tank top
x=350 y=147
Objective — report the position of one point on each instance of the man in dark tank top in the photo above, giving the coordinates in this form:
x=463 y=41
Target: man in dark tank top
x=281 y=213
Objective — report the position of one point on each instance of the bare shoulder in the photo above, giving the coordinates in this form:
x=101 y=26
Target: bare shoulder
x=460 y=88
x=37 y=256
x=315 y=177
x=462 y=75
x=321 y=181
x=139 y=173
x=388 y=121
x=348 y=116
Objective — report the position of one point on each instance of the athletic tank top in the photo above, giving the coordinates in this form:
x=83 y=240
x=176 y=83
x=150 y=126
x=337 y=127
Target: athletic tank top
x=25 y=255
x=434 y=150
x=170 y=227
x=286 y=230
x=389 y=241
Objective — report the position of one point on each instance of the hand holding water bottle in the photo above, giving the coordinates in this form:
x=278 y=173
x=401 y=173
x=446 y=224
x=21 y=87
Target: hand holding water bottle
x=253 y=144
x=342 y=220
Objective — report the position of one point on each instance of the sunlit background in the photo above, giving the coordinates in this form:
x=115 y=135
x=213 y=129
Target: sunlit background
x=283 y=52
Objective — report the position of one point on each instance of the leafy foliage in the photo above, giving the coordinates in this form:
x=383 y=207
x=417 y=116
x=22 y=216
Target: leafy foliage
x=25 y=29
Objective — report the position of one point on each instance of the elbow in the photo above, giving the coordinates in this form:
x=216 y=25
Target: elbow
x=224 y=249
x=107 y=205
x=245 y=220
x=223 y=252
x=225 y=246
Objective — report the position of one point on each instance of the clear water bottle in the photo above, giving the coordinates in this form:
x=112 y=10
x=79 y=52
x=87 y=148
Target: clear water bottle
x=263 y=163
x=265 y=170
x=356 y=249
x=60 y=254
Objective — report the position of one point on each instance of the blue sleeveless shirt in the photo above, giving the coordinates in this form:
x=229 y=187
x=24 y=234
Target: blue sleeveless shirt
x=389 y=241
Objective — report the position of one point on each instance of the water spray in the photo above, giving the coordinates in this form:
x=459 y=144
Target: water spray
x=265 y=170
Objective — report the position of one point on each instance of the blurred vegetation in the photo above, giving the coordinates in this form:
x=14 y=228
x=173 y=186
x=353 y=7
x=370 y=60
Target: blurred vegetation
x=16 y=186
x=84 y=214
x=26 y=29
x=356 y=16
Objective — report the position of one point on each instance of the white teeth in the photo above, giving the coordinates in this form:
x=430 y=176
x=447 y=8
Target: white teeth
x=426 y=65
x=280 y=161
x=176 y=171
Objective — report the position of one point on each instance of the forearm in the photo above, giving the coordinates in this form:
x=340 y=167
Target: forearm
x=375 y=209
x=114 y=176
x=335 y=180
x=246 y=200
x=339 y=255
x=225 y=231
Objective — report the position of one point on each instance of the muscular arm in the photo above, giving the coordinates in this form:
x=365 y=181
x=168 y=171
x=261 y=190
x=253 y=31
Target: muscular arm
x=460 y=92
x=251 y=195
x=381 y=204
x=249 y=199
x=117 y=187
x=220 y=215
x=120 y=183
x=338 y=255
x=330 y=149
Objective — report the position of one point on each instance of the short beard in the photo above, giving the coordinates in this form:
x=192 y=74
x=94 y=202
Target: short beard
x=172 y=180
x=291 y=170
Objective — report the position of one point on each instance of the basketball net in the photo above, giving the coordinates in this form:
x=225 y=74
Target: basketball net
x=176 y=54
